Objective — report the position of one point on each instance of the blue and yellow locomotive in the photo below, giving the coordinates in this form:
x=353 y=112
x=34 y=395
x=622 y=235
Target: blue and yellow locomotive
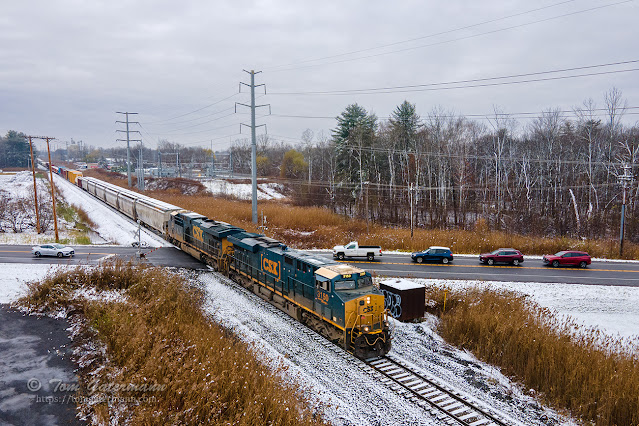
x=337 y=300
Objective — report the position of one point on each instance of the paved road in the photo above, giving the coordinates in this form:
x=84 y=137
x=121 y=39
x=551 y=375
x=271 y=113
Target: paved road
x=91 y=255
x=34 y=359
x=533 y=270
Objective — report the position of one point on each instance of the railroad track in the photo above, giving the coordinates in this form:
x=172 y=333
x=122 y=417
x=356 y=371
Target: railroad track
x=427 y=392
x=443 y=403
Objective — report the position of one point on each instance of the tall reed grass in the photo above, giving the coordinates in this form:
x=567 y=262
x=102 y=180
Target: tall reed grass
x=594 y=376
x=317 y=227
x=159 y=334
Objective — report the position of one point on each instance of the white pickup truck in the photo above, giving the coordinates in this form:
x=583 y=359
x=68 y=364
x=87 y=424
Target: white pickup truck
x=353 y=249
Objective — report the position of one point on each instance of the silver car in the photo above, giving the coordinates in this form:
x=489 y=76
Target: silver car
x=53 y=249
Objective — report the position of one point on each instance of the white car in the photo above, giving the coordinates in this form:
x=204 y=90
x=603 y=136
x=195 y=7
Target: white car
x=52 y=249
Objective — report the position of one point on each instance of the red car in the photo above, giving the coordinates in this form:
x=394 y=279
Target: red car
x=568 y=258
x=502 y=255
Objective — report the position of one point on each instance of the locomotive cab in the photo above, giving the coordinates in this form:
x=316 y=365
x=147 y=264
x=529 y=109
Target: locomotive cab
x=362 y=316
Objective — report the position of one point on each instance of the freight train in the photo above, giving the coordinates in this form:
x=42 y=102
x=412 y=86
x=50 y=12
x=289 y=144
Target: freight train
x=336 y=300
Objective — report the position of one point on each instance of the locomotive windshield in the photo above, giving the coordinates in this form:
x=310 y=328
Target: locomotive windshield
x=344 y=285
x=362 y=282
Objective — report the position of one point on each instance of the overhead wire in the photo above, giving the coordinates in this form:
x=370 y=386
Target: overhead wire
x=476 y=80
x=424 y=88
x=194 y=111
x=421 y=37
x=460 y=38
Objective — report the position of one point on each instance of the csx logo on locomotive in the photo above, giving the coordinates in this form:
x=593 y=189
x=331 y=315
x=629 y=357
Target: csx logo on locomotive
x=271 y=266
x=197 y=233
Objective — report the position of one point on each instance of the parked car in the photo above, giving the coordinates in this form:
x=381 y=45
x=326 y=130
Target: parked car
x=353 y=249
x=52 y=250
x=433 y=254
x=502 y=255
x=568 y=258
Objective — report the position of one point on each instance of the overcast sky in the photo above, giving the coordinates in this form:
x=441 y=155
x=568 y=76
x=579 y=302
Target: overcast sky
x=68 y=66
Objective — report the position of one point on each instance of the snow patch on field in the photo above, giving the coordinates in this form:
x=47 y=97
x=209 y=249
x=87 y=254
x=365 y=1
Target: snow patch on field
x=613 y=309
x=244 y=191
x=17 y=191
x=14 y=278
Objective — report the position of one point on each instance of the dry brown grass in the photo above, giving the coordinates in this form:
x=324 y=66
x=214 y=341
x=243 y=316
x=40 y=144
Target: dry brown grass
x=316 y=227
x=594 y=376
x=161 y=335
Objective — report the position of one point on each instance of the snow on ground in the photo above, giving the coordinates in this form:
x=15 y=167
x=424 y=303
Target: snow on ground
x=265 y=191
x=353 y=397
x=112 y=227
x=613 y=309
x=15 y=276
x=20 y=185
x=16 y=188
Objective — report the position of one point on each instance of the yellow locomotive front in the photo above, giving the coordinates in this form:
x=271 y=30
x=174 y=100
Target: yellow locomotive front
x=360 y=310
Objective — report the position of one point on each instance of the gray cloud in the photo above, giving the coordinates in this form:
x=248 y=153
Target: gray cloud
x=69 y=65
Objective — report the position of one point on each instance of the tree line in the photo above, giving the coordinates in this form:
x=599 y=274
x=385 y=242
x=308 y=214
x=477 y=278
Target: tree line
x=557 y=175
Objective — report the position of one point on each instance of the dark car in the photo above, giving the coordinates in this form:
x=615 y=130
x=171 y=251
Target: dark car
x=502 y=255
x=568 y=258
x=433 y=254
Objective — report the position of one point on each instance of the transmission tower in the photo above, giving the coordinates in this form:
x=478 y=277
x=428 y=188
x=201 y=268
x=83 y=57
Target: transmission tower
x=128 y=140
x=253 y=137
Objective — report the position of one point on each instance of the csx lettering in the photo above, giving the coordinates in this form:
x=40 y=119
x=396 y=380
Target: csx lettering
x=197 y=234
x=271 y=266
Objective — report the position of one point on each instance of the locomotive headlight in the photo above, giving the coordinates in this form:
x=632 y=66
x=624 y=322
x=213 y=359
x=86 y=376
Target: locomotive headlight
x=365 y=329
x=368 y=300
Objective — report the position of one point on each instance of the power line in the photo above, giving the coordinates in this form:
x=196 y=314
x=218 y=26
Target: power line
x=194 y=111
x=421 y=37
x=461 y=38
x=428 y=87
x=349 y=185
x=194 y=125
x=466 y=157
x=192 y=119
x=488 y=115
x=476 y=80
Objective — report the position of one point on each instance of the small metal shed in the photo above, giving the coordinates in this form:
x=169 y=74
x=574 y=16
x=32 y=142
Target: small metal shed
x=404 y=299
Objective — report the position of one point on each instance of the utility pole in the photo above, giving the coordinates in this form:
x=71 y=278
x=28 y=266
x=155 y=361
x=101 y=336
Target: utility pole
x=253 y=137
x=55 y=217
x=128 y=140
x=159 y=163
x=35 y=189
x=367 y=185
x=624 y=180
x=212 y=172
x=140 y=173
x=410 y=197
x=177 y=163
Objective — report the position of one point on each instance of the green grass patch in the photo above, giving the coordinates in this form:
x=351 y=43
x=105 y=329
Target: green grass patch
x=77 y=216
x=65 y=211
